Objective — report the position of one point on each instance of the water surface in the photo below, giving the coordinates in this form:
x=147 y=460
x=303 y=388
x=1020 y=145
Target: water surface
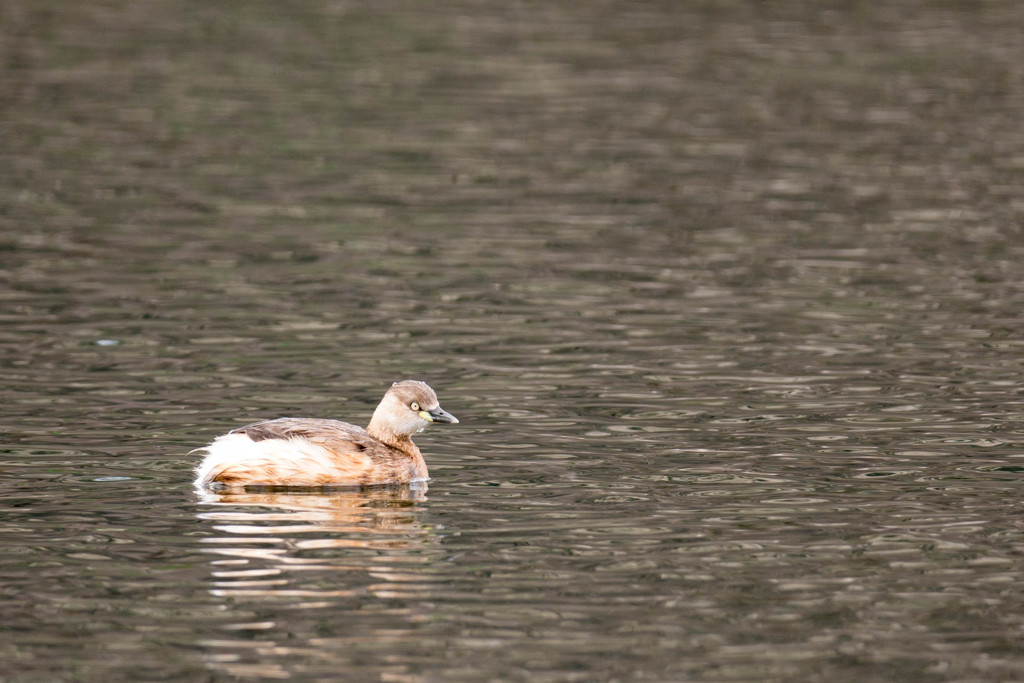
x=727 y=299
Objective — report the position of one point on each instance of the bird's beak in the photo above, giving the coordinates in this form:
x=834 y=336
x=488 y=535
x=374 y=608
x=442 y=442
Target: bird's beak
x=439 y=415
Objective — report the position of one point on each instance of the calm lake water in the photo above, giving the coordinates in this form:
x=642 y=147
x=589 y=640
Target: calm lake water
x=728 y=297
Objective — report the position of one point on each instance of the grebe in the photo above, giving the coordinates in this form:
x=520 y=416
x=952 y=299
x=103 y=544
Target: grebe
x=296 y=451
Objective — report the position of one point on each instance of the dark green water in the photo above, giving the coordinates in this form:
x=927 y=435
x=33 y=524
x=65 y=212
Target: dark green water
x=727 y=297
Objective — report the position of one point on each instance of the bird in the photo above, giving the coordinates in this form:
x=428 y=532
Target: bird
x=310 y=452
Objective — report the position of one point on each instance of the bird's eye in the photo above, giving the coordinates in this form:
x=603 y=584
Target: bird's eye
x=415 y=405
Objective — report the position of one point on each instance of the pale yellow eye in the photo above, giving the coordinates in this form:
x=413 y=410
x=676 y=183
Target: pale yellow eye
x=415 y=406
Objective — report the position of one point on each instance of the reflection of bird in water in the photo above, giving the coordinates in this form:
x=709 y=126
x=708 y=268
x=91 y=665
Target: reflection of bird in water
x=382 y=510
x=299 y=452
x=284 y=564
x=279 y=544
